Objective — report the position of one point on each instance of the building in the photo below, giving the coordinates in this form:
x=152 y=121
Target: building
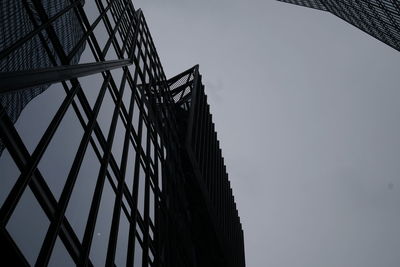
x=112 y=164
x=379 y=18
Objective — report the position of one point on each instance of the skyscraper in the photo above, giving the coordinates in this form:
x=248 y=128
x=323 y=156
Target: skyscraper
x=112 y=164
x=379 y=18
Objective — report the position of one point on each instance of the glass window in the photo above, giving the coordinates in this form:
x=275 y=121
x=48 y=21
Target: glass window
x=117 y=77
x=101 y=33
x=38 y=113
x=136 y=48
x=125 y=204
x=60 y=256
x=135 y=118
x=91 y=10
x=130 y=167
x=8 y=176
x=122 y=244
x=151 y=234
x=111 y=176
x=97 y=143
x=118 y=143
x=152 y=151
x=147 y=76
x=91 y=85
x=87 y=54
x=81 y=198
x=141 y=63
x=81 y=112
x=126 y=99
x=106 y=113
x=159 y=174
x=28 y=226
x=118 y=38
x=60 y=154
x=151 y=257
x=138 y=254
x=106 y=3
x=144 y=136
x=142 y=179
x=111 y=54
x=143 y=45
x=151 y=205
x=98 y=251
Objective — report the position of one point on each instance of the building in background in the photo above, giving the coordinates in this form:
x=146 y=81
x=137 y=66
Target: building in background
x=17 y=20
x=379 y=18
x=113 y=164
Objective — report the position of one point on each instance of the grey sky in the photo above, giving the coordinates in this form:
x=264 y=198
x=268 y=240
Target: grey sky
x=307 y=112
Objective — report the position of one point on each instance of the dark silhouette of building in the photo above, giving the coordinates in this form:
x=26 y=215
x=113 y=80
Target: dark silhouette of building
x=379 y=18
x=119 y=166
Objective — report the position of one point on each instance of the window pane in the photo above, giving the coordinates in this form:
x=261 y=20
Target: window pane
x=98 y=250
x=28 y=226
x=135 y=118
x=138 y=254
x=97 y=143
x=111 y=54
x=117 y=77
x=127 y=97
x=130 y=167
x=101 y=33
x=37 y=114
x=152 y=150
x=144 y=137
x=91 y=10
x=122 y=245
x=151 y=205
x=106 y=113
x=118 y=143
x=91 y=85
x=87 y=55
x=8 y=175
x=81 y=198
x=59 y=156
x=159 y=173
x=60 y=256
x=139 y=231
x=142 y=179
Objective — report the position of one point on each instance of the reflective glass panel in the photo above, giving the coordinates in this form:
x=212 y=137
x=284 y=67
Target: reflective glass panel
x=98 y=251
x=28 y=226
x=8 y=175
x=81 y=198
x=59 y=156
x=60 y=256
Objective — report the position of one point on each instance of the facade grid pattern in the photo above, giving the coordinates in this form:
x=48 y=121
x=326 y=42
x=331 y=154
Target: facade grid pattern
x=102 y=174
x=17 y=22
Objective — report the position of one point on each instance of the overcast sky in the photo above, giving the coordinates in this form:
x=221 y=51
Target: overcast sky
x=307 y=112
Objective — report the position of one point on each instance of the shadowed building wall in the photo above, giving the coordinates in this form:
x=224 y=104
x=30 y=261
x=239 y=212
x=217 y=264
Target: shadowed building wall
x=210 y=199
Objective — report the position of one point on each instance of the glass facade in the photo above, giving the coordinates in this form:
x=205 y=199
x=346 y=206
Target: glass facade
x=94 y=171
x=379 y=18
x=17 y=22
